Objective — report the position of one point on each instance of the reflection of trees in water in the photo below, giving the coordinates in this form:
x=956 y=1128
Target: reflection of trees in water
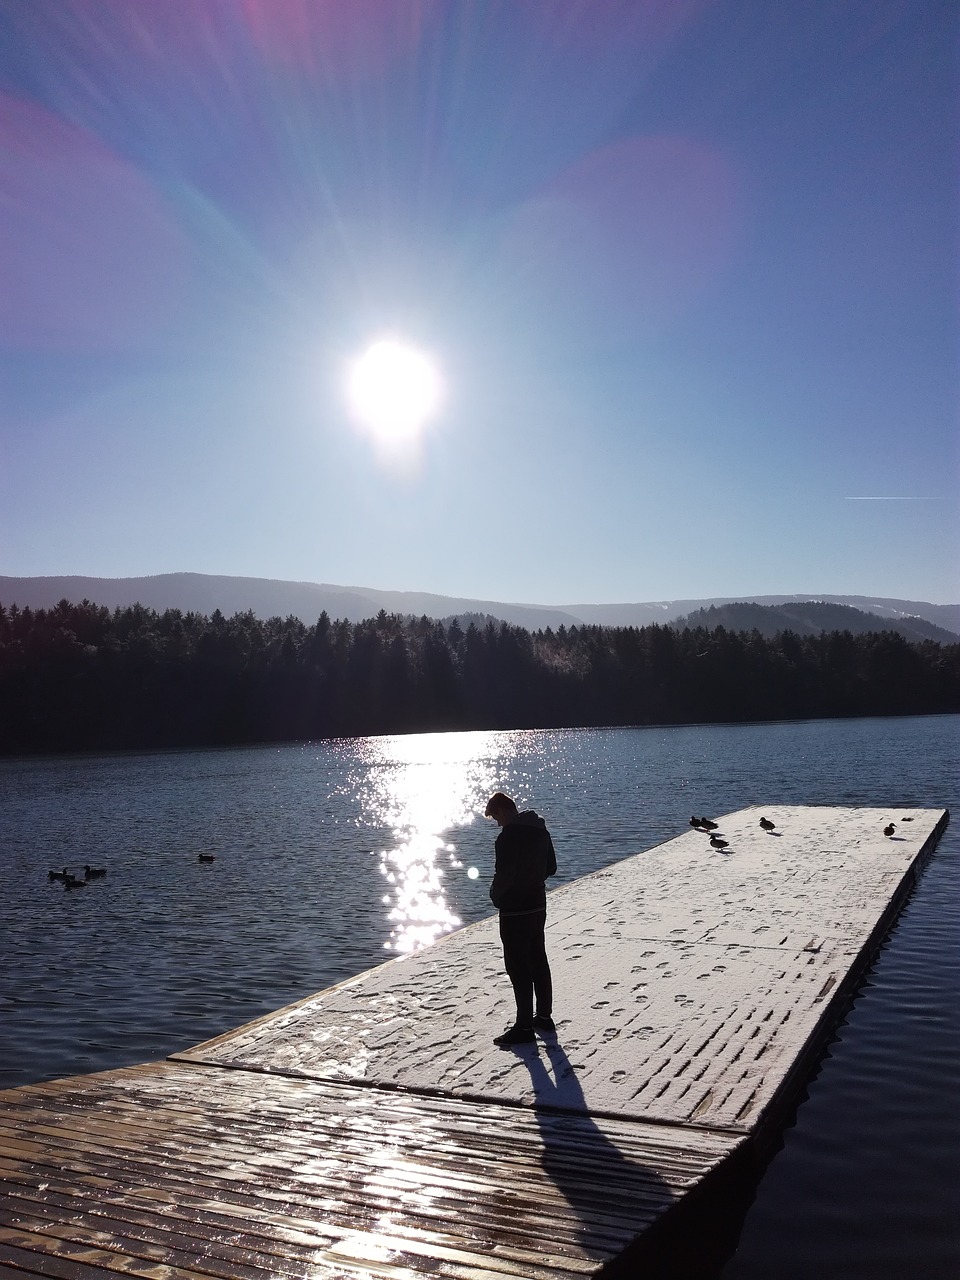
x=617 y=1198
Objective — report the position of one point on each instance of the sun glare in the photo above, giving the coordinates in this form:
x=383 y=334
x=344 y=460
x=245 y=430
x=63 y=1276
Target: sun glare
x=393 y=390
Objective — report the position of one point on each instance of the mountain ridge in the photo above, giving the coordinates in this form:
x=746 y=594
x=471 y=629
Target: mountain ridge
x=270 y=597
x=810 y=618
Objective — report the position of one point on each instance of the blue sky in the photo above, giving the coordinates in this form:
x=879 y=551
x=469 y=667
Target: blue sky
x=687 y=268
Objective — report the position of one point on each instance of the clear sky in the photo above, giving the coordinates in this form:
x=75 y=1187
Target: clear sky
x=686 y=271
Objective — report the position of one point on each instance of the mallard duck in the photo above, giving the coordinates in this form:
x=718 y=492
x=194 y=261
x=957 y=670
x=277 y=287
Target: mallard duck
x=58 y=875
x=889 y=829
x=94 y=873
x=707 y=824
x=71 y=882
x=694 y=822
x=206 y=857
x=718 y=843
x=767 y=824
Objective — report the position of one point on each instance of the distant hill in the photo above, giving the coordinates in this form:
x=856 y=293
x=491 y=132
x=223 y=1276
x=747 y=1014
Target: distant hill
x=267 y=597
x=641 y=615
x=811 y=617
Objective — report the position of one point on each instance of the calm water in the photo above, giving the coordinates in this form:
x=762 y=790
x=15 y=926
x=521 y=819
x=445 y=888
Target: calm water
x=330 y=857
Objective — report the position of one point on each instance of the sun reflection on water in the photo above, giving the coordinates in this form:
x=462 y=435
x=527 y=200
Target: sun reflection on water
x=421 y=786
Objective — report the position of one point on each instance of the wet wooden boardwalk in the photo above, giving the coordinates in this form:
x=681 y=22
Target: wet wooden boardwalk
x=373 y=1130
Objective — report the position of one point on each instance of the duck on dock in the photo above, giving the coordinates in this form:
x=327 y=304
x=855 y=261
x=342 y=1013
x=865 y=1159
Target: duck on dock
x=718 y=843
x=94 y=873
x=708 y=824
x=767 y=824
x=72 y=882
x=694 y=822
x=58 y=875
x=889 y=829
x=206 y=857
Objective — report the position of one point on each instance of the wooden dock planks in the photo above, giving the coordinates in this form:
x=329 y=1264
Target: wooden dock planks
x=373 y=1129
x=173 y=1169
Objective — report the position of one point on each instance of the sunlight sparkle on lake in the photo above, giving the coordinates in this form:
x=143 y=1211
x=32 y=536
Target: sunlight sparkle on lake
x=422 y=787
x=393 y=390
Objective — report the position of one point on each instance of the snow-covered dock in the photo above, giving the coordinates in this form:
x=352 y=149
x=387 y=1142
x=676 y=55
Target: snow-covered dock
x=375 y=1130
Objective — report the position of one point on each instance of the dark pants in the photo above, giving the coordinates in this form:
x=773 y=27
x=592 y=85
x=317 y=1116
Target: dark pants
x=525 y=960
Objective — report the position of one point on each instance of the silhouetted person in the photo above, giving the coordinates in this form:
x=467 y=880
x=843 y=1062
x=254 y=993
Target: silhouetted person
x=525 y=858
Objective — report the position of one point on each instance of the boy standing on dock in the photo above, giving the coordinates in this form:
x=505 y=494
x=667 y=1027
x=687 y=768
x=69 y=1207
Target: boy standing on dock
x=525 y=857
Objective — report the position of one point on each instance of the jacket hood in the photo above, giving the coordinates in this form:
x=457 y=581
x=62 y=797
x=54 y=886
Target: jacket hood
x=529 y=818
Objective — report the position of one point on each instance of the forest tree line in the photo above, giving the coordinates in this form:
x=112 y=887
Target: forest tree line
x=80 y=677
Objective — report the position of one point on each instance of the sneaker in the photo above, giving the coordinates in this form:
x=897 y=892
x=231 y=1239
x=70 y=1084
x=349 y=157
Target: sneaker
x=543 y=1022
x=515 y=1035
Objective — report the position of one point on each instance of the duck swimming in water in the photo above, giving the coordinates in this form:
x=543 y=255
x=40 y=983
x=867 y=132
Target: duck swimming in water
x=206 y=857
x=94 y=873
x=72 y=882
x=58 y=875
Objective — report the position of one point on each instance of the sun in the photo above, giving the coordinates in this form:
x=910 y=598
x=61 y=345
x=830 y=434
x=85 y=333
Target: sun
x=393 y=390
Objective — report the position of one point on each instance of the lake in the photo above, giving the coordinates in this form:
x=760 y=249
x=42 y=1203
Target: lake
x=330 y=857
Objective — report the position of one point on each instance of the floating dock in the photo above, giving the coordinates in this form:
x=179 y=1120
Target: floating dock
x=374 y=1130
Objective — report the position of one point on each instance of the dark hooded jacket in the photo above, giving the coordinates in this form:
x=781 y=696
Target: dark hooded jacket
x=525 y=858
